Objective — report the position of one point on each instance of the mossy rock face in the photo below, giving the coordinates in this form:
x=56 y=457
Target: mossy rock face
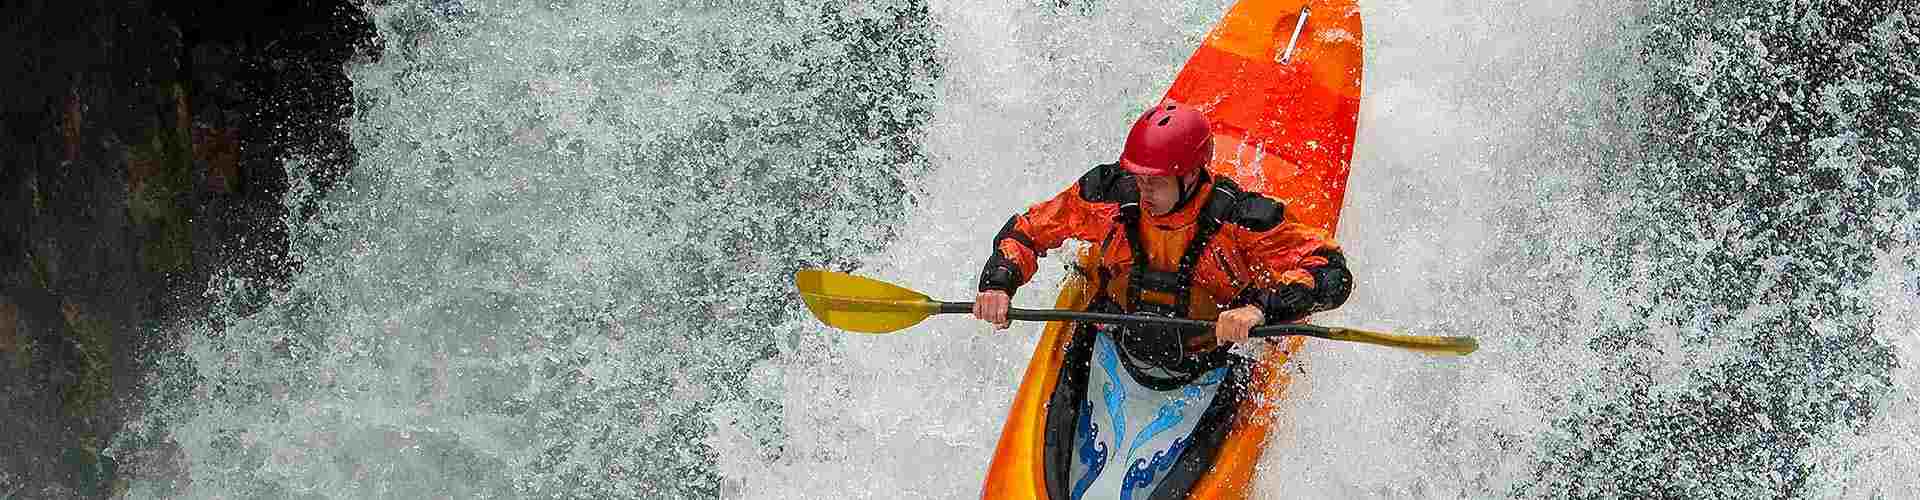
x=9 y=325
x=92 y=340
x=24 y=352
x=168 y=246
x=159 y=181
x=39 y=201
x=219 y=150
x=11 y=340
x=96 y=475
x=41 y=266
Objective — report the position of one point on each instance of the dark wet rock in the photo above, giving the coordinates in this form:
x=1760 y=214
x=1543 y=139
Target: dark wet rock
x=144 y=144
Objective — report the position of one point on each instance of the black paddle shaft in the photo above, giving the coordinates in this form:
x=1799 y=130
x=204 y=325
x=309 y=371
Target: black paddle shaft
x=1135 y=319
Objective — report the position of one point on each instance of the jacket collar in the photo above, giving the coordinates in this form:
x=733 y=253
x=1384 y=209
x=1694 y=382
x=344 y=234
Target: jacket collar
x=1188 y=212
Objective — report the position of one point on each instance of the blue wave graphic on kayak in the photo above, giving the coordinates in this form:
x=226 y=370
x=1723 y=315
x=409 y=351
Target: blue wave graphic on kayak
x=1093 y=453
x=1143 y=471
x=1116 y=398
x=1174 y=411
x=1169 y=415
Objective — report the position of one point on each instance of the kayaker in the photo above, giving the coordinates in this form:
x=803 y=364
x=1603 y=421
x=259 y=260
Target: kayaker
x=1212 y=251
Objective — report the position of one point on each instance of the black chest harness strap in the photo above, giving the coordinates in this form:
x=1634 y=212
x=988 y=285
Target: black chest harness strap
x=1156 y=356
x=1178 y=283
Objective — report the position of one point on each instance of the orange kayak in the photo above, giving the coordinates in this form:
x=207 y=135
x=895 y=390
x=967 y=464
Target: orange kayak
x=1280 y=80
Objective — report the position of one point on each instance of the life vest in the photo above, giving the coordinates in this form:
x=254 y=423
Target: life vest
x=1160 y=357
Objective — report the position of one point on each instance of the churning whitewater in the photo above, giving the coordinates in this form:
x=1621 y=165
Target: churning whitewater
x=562 y=266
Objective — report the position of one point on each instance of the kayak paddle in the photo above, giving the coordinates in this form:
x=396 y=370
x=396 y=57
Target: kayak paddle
x=866 y=305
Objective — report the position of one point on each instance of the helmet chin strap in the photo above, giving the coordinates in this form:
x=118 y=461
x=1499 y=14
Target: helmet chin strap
x=1187 y=193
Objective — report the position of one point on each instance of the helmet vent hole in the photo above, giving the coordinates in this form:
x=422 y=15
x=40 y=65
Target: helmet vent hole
x=1164 y=120
x=1169 y=107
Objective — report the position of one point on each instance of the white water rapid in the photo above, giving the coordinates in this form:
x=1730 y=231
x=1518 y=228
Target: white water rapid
x=562 y=266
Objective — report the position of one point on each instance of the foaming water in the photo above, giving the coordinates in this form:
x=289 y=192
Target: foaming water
x=1883 y=459
x=569 y=231
x=1473 y=210
x=562 y=265
x=1469 y=204
x=1617 y=200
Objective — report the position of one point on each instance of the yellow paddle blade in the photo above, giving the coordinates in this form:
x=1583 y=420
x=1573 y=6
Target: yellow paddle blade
x=858 y=304
x=1459 y=346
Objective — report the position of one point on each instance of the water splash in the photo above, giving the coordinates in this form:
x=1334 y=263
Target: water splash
x=560 y=266
x=1666 y=231
x=1472 y=208
x=568 y=231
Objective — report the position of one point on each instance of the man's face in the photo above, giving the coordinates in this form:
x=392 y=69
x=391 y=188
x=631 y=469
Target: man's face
x=1158 y=193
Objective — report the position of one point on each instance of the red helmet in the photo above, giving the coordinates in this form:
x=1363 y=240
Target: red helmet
x=1169 y=139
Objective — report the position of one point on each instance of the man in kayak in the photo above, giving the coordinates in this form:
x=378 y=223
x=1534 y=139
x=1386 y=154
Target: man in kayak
x=1171 y=240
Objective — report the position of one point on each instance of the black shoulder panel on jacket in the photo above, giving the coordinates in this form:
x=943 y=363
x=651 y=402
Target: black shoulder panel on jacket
x=1109 y=184
x=1231 y=205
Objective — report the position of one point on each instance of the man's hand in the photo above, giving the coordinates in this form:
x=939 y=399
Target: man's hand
x=1233 y=325
x=991 y=306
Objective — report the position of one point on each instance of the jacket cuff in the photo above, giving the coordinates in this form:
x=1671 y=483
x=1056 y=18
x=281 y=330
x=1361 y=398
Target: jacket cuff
x=1280 y=305
x=1332 y=282
x=1000 y=276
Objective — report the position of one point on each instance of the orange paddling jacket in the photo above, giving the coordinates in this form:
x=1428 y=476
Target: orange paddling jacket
x=1252 y=254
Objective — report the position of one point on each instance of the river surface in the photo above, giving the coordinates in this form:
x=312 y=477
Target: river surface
x=562 y=264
